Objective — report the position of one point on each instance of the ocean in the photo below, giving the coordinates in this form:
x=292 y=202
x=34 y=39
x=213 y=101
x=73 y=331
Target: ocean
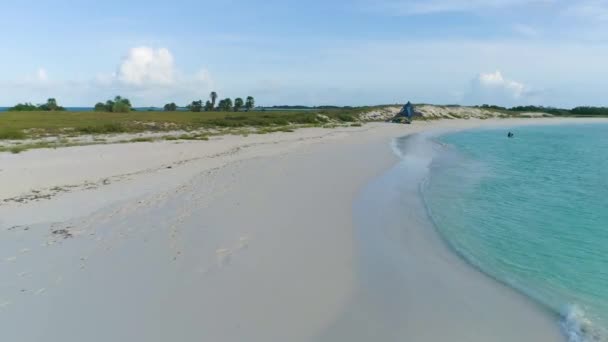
x=532 y=212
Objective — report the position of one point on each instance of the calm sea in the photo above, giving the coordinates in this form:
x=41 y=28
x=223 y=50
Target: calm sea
x=531 y=211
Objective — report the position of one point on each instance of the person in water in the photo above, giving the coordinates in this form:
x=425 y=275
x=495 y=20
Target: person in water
x=510 y=135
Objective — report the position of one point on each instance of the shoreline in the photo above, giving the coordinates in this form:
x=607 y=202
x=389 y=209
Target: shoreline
x=413 y=284
x=197 y=239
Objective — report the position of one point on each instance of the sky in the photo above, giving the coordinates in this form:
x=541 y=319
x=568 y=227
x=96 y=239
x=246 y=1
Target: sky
x=314 y=52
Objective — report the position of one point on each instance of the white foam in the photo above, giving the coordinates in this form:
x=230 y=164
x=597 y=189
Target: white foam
x=578 y=327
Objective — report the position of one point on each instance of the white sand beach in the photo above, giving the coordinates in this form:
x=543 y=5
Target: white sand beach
x=239 y=239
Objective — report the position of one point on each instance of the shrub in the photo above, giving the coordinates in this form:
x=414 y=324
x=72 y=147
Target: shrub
x=23 y=107
x=11 y=134
x=104 y=129
x=119 y=105
x=346 y=117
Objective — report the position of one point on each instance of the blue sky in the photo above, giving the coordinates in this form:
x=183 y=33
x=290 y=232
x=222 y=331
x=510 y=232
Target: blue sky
x=507 y=52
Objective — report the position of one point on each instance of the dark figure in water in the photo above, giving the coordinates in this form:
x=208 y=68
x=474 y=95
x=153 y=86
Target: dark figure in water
x=510 y=135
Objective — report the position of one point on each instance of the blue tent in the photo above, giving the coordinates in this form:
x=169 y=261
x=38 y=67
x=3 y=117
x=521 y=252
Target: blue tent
x=408 y=110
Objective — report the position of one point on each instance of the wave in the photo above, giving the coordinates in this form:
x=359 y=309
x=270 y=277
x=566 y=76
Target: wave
x=578 y=327
x=419 y=152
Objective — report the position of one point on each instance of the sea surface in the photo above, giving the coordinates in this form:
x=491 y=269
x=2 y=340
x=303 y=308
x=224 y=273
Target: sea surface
x=532 y=212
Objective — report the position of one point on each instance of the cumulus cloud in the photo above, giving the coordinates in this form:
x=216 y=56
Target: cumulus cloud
x=147 y=76
x=150 y=76
x=494 y=88
x=145 y=65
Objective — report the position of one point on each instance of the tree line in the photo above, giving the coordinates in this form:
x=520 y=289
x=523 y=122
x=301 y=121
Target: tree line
x=50 y=106
x=118 y=105
x=576 y=111
x=225 y=105
x=123 y=105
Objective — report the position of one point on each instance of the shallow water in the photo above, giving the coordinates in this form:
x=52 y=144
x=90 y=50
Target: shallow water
x=532 y=212
x=410 y=286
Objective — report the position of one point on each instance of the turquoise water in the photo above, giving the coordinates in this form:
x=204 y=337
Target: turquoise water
x=531 y=211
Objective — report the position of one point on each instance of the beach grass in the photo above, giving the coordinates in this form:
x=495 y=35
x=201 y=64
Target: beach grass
x=23 y=125
x=11 y=134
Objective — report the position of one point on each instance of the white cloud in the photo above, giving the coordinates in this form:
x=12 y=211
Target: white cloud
x=147 y=66
x=411 y=7
x=147 y=76
x=526 y=30
x=42 y=75
x=150 y=76
x=595 y=10
x=387 y=71
x=497 y=81
x=494 y=88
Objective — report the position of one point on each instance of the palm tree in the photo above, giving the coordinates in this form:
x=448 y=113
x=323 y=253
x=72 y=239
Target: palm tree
x=238 y=103
x=52 y=104
x=213 y=96
x=250 y=103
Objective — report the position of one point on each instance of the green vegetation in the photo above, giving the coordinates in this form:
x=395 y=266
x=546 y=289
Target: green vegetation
x=285 y=107
x=106 y=128
x=225 y=105
x=539 y=109
x=238 y=104
x=193 y=137
x=23 y=125
x=486 y=106
x=578 y=111
x=195 y=106
x=119 y=105
x=142 y=139
x=346 y=117
x=23 y=107
x=213 y=97
x=11 y=134
x=208 y=106
x=249 y=103
x=18 y=148
x=590 y=111
x=170 y=107
x=50 y=106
